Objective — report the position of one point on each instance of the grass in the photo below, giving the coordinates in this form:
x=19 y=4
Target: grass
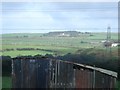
x=62 y=45
x=118 y=85
x=0 y=82
x=23 y=53
x=6 y=82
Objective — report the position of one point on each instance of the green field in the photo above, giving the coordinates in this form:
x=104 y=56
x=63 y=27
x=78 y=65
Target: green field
x=6 y=82
x=49 y=44
x=62 y=45
x=118 y=85
x=0 y=82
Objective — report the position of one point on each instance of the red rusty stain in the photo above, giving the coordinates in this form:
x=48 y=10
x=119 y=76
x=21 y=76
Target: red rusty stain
x=57 y=74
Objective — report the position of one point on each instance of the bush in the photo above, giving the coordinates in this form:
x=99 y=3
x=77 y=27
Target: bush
x=6 y=65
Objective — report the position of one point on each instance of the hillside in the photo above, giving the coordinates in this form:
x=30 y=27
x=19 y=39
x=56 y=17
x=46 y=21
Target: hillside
x=64 y=33
x=32 y=43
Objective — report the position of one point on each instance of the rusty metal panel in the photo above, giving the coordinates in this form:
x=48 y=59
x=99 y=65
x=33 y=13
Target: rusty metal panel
x=104 y=81
x=42 y=73
x=65 y=75
x=90 y=83
x=48 y=73
x=112 y=82
x=82 y=78
x=16 y=74
x=32 y=73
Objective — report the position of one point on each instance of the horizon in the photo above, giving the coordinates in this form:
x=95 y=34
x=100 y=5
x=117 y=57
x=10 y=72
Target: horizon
x=53 y=31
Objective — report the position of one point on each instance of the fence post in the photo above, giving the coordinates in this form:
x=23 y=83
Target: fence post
x=94 y=77
x=13 y=81
x=55 y=75
x=74 y=77
x=21 y=74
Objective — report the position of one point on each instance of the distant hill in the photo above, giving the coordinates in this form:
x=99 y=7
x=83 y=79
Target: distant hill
x=63 y=33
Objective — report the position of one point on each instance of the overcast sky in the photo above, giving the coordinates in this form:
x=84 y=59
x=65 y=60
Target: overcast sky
x=29 y=17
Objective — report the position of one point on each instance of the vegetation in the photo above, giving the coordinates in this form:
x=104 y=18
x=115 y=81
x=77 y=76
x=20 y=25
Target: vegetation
x=79 y=58
x=15 y=44
x=6 y=82
x=6 y=65
x=84 y=48
x=64 y=33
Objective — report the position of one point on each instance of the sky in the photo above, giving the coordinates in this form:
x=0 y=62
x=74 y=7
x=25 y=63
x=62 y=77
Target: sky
x=43 y=17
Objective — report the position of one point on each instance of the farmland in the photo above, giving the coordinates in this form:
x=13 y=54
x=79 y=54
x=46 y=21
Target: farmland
x=57 y=45
x=6 y=82
x=19 y=44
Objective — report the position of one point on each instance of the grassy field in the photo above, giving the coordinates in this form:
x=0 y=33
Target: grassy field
x=6 y=82
x=62 y=45
x=118 y=85
x=0 y=82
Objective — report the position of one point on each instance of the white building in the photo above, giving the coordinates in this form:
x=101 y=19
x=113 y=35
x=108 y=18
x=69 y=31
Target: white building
x=114 y=44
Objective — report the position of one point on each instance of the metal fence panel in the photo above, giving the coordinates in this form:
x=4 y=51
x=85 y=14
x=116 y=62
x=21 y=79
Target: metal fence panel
x=48 y=73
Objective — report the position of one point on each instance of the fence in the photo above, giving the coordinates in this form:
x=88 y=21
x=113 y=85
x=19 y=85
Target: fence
x=49 y=73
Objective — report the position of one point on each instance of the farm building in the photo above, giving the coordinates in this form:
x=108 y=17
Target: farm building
x=49 y=73
x=115 y=44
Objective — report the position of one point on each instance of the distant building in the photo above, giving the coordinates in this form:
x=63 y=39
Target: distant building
x=114 y=44
x=103 y=41
x=63 y=34
x=107 y=43
x=111 y=44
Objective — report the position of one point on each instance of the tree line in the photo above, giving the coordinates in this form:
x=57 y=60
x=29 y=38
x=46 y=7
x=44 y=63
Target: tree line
x=28 y=49
x=88 y=59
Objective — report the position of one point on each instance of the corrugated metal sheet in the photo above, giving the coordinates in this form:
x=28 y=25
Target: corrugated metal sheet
x=49 y=73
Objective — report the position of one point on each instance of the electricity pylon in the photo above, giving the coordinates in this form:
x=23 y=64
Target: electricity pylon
x=108 y=42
